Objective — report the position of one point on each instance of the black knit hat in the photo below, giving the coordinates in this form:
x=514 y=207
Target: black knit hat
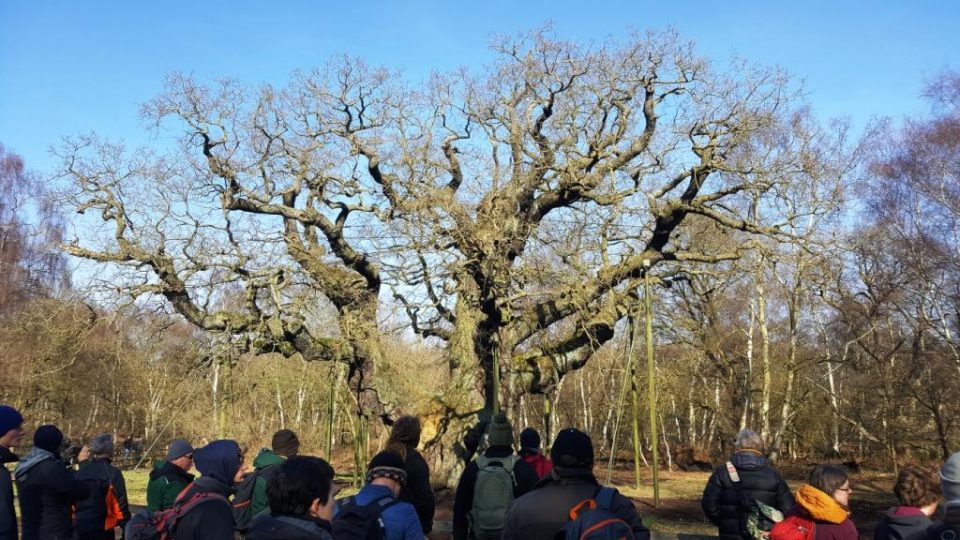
x=285 y=442
x=500 y=432
x=529 y=438
x=387 y=465
x=48 y=438
x=572 y=448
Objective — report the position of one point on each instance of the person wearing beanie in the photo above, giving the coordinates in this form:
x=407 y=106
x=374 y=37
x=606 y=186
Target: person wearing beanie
x=498 y=455
x=96 y=516
x=530 y=452
x=403 y=441
x=171 y=476
x=950 y=487
x=746 y=476
x=385 y=478
x=284 y=444
x=11 y=433
x=220 y=464
x=539 y=514
x=918 y=492
x=47 y=489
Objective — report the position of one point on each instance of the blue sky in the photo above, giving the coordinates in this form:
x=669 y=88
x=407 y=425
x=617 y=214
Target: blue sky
x=69 y=67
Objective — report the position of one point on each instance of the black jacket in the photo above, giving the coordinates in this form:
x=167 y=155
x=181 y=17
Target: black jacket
x=47 y=492
x=524 y=474
x=211 y=519
x=417 y=490
x=899 y=525
x=8 y=516
x=723 y=501
x=539 y=514
x=281 y=527
x=90 y=514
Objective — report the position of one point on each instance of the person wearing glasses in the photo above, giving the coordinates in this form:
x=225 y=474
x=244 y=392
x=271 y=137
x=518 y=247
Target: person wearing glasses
x=170 y=477
x=825 y=500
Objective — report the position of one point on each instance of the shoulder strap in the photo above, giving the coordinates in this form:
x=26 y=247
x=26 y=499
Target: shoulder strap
x=732 y=471
x=197 y=498
x=604 y=497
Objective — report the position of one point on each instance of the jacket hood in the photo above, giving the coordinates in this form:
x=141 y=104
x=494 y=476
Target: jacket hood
x=748 y=460
x=211 y=484
x=901 y=516
x=266 y=458
x=29 y=461
x=219 y=460
x=7 y=456
x=819 y=505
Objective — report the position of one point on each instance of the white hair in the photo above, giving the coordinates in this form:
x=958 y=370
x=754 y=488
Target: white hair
x=748 y=439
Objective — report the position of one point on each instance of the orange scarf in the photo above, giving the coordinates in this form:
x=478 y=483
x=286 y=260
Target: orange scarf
x=820 y=506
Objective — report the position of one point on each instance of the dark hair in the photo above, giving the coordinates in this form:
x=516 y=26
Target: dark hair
x=298 y=481
x=917 y=486
x=404 y=434
x=828 y=478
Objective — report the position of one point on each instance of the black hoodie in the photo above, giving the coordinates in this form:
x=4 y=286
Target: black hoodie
x=902 y=523
x=8 y=517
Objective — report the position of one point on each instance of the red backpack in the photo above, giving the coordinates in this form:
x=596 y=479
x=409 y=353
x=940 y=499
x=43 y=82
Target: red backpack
x=540 y=464
x=794 y=528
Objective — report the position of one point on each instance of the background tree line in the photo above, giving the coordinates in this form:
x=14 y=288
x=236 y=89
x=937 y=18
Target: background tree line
x=327 y=254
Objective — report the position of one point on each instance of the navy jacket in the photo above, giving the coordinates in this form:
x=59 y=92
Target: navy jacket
x=47 y=491
x=8 y=517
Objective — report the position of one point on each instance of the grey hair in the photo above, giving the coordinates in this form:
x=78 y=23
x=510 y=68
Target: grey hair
x=748 y=439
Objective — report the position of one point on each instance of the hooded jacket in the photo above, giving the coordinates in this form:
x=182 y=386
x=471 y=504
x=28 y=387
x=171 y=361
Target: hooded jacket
x=538 y=515
x=266 y=465
x=47 y=492
x=218 y=463
x=167 y=480
x=8 y=516
x=903 y=523
x=832 y=521
x=523 y=473
x=722 y=500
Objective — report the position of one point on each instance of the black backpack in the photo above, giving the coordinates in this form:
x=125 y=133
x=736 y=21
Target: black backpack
x=242 y=499
x=355 y=521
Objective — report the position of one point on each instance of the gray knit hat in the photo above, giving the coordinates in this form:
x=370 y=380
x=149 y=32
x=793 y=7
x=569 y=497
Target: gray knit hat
x=102 y=445
x=500 y=432
x=950 y=478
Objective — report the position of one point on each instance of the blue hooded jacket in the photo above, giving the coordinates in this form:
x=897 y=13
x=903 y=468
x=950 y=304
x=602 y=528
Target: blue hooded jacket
x=400 y=521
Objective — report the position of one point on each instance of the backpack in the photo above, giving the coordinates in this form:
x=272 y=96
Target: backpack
x=758 y=518
x=162 y=525
x=794 y=528
x=100 y=511
x=243 y=499
x=592 y=519
x=355 y=521
x=492 y=496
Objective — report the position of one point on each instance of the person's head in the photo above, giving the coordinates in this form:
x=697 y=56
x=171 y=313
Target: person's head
x=950 y=478
x=387 y=469
x=832 y=480
x=180 y=453
x=48 y=437
x=285 y=443
x=405 y=432
x=302 y=486
x=101 y=446
x=11 y=426
x=748 y=440
x=500 y=432
x=530 y=439
x=918 y=487
x=220 y=460
x=572 y=449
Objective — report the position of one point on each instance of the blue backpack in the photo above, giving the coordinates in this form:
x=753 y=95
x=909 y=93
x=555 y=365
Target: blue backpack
x=592 y=519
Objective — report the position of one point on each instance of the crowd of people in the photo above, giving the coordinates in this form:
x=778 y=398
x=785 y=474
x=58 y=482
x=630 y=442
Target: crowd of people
x=506 y=491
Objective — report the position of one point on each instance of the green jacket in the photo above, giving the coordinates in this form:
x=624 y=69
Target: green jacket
x=166 y=482
x=265 y=465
